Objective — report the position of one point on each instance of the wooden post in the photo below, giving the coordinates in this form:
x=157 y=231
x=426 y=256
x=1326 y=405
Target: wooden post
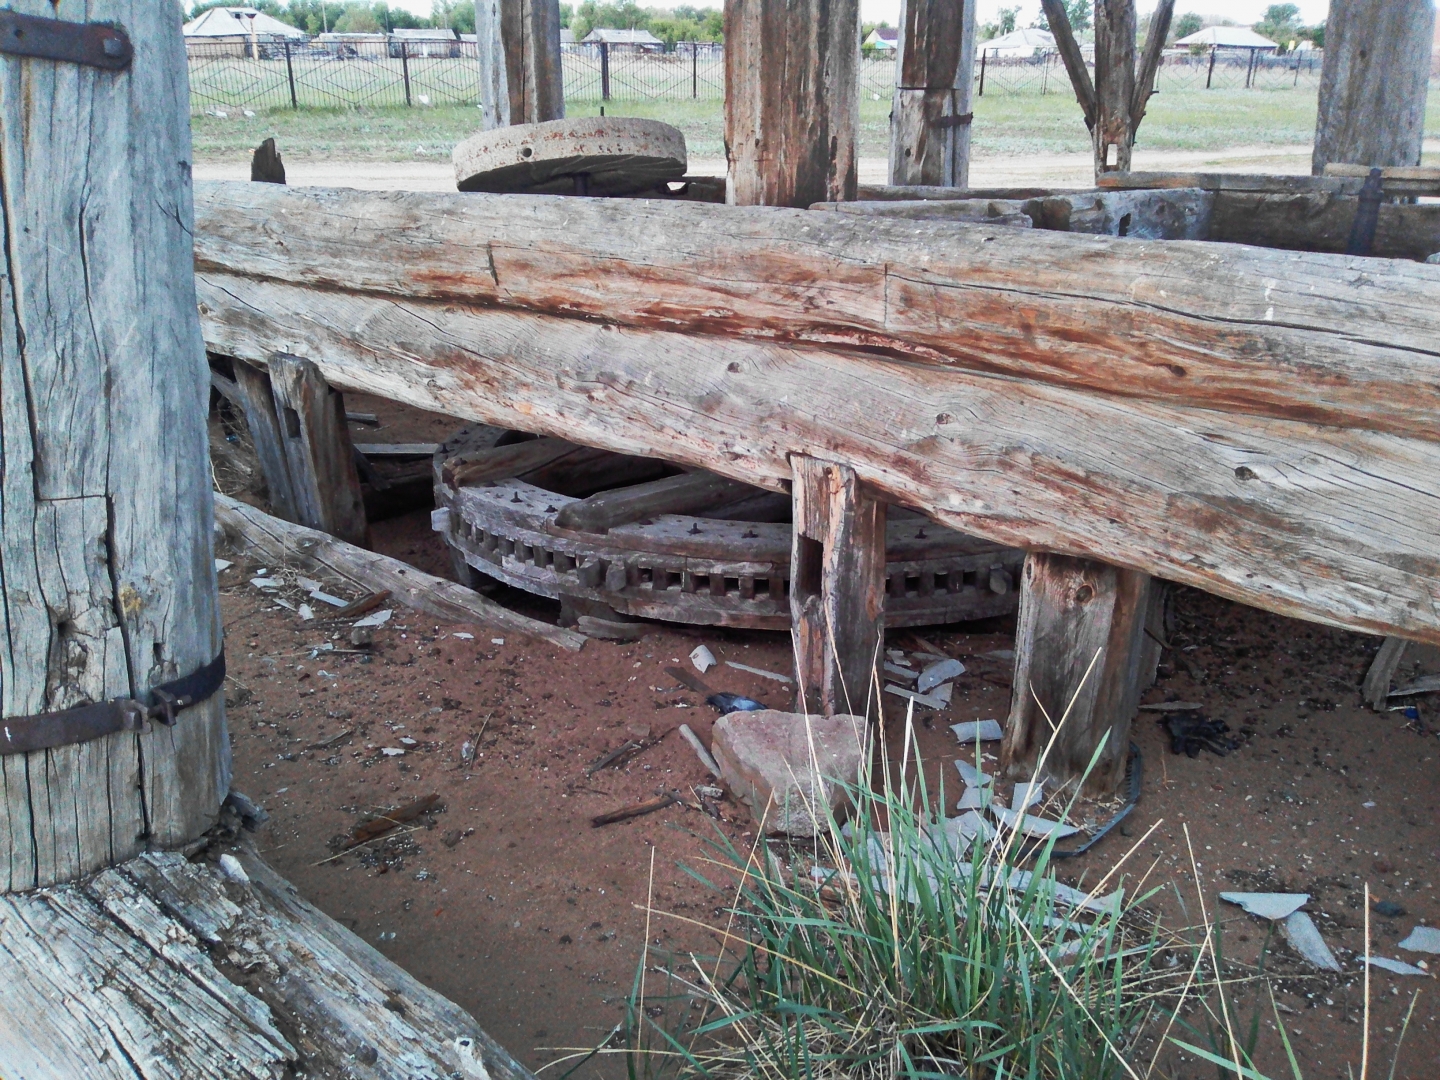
x=521 y=81
x=792 y=101
x=105 y=534
x=257 y=401
x=837 y=587
x=1373 y=83
x=320 y=457
x=1075 y=613
x=930 y=118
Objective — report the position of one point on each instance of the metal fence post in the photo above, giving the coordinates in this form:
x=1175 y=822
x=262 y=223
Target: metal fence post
x=604 y=71
x=1211 y=73
x=290 y=74
x=1250 y=71
x=405 y=70
x=694 y=69
x=982 y=73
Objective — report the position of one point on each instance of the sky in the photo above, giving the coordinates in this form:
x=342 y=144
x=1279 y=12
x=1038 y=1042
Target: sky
x=1244 y=12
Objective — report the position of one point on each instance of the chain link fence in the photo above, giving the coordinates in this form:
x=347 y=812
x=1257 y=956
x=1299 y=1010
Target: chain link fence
x=376 y=71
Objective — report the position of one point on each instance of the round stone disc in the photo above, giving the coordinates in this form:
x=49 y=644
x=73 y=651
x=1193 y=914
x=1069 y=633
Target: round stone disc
x=595 y=155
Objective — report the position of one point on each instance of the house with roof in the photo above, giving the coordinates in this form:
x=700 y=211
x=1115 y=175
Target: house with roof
x=237 y=31
x=1024 y=43
x=1222 y=38
x=629 y=40
x=882 y=38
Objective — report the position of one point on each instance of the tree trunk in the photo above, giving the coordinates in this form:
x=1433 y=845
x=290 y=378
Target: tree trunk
x=1373 y=83
x=1113 y=133
x=792 y=101
x=521 y=81
x=105 y=525
x=930 y=118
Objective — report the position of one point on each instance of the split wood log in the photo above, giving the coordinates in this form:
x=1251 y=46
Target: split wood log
x=930 y=117
x=108 y=583
x=683 y=494
x=1082 y=659
x=307 y=549
x=837 y=587
x=1376 y=688
x=518 y=42
x=143 y=958
x=1373 y=82
x=1311 y=337
x=266 y=166
x=257 y=402
x=792 y=101
x=318 y=451
x=1325 y=523
x=1320 y=221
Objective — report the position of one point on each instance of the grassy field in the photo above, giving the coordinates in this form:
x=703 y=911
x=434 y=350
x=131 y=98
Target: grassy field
x=1005 y=125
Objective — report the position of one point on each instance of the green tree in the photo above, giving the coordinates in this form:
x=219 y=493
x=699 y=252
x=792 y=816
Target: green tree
x=1004 y=24
x=1185 y=25
x=1281 y=23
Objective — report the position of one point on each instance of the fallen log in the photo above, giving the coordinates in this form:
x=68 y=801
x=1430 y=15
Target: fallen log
x=295 y=545
x=1322 y=338
x=1316 y=522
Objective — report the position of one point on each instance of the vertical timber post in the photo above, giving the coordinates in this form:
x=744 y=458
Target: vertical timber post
x=106 y=518
x=1114 y=84
x=521 y=79
x=934 y=71
x=290 y=76
x=792 y=101
x=405 y=72
x=1077 y=615
x=604 y=71
x=837 y=587
x=1373 y=83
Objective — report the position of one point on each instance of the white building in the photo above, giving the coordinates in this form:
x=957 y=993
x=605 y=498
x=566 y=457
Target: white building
x=1019 y=43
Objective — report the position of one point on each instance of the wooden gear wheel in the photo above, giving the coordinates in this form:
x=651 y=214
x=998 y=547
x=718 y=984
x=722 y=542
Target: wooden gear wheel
x=600 y=530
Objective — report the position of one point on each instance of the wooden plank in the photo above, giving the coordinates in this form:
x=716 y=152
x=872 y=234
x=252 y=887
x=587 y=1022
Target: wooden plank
x=413 y=449
x=1113 y=133
x=1323 y=523
x=837 y=587
x=318 y=451
x=1217 y=327
x=908 y=192
x=1319 y=221
x=504 y=462
x=1080 y=655
x=1262 y=183
x=258 y=404
x=683 y=494
x=309 y=549
x=792 y=104
x=108 y=589
x=1373 y=82
x=980 y=211
x=1394 y=179
x=1376 y=688
x=519 y=48
x=931 y=111
x=1170 y=214
x=1074 y=61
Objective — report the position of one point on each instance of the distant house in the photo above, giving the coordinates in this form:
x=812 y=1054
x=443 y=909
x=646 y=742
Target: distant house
x=1024 y=43
x=237 y=31
x=883 y=38
x=631 y=40
x=352 y=45
x=429 y=42
x=567 y=36
x=1228 y=37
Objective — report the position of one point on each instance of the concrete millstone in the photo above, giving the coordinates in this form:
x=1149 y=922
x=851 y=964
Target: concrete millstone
x=765 y=758
x=617 y=155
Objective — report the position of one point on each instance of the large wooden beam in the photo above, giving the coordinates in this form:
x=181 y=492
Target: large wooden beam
x=1113 y=134
x=1373 y=82
x=1318 y=338
x=930 y=117
x=1327 y=523
x=1319 y=221
x=837 y=587
x=520 y=77
x=792 y=101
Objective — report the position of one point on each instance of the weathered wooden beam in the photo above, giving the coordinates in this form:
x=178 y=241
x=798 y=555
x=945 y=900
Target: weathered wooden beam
x=1263 y=183
x=1217 y=327
x=519 y=48
x=1082 y=658
x=683 y=494
x=1318 y=522
x=1376 y=688
x=1373 y=82
x=257 y=402
x=1318 y=221
x=792 y=101
x=309 y=549
x=318 y=451
x=1113 y=133
x=1394 y=179
x=911 y=192
x=930 y=118
x=837 y=587
x=512 y=459
x=976 y=211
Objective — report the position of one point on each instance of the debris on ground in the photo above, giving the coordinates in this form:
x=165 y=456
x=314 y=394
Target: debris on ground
x=700 y=751
x=382 y=823
x=1423 y=939
x=702 y=658
x=1272 y=906
x=1304 y=937
x=773 y=676
x=728 y=703
x=972 y=731
x=625 y=813
x=942 y=671
x=1191 y=732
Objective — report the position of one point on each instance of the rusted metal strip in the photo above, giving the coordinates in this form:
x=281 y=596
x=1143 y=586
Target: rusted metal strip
x=43 y=731
x=92 y=44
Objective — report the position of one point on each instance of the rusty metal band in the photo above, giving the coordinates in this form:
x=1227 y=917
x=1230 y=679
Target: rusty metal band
x=92 y=44
x=66 y=727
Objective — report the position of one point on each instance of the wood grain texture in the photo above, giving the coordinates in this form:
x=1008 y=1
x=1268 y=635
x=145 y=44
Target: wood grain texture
x=308 y=549
x=1320 y=221
x=1374 y=80
x=933 y=86
x=105 y=543
x=687 y=493
x=792 y=101
x=257 y=402
x=837 y=587
x=1080 y=659
x=1376 y=688
x=1113 y=133
x=1323 y=523
x=1323 y=338
x=519 y=49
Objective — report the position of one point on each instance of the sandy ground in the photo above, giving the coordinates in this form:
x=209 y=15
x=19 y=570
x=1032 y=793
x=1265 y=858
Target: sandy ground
x=1061 y=170
x=513 y=905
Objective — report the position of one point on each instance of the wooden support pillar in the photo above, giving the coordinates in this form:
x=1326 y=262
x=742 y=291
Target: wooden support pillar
x=108 y=584
x=837 y=587
x=1373 y=83
x=1072 y=609
x=520 y=75
x=930 y=118
x=792 y=101
x=319 y=456
x=257 y=401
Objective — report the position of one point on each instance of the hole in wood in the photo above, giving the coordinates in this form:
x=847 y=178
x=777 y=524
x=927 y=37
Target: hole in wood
x=805 y=574
x=1125 y=224
x=1084 y=594
x=292 y=423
